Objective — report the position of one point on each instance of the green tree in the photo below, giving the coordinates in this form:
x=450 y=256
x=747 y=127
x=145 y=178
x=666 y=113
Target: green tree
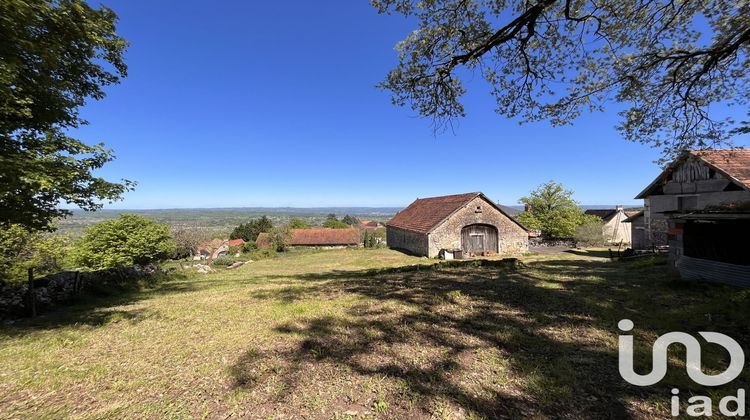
x=129 y=240
x=335 y=224
x=350 y=220
x=552 y=210
x=249 y=231
x=298 y=224
x=280 y=238
x=187 y=240
x=667 y=62
x=54 y=56
x=21 y=249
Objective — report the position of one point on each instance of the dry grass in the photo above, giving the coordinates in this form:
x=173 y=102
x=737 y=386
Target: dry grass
x=323 y=335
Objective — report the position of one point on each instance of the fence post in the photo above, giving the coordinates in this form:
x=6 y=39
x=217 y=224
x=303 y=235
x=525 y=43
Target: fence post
x=32 y=295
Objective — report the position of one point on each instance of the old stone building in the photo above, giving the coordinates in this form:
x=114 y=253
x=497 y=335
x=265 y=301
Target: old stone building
x=469 y=222
x=695 y=181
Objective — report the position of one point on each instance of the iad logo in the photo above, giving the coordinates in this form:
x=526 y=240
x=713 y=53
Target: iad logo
x=703 y=405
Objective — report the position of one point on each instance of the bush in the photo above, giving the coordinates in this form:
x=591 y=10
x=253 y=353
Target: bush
x=590 y=232
x=249 y=246
x=129 y=240
x=224 y=261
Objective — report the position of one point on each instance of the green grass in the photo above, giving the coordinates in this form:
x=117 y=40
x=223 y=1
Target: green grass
x=341 y=334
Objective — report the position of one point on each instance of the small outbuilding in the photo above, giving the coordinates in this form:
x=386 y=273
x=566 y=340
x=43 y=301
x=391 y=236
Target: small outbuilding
x=468 y=222
x=637 y=230
x=616 y=228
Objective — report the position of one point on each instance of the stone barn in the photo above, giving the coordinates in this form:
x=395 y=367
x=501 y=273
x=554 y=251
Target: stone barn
x=470 y=222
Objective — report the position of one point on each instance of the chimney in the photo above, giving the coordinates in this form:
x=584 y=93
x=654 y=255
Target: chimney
x=619 y=208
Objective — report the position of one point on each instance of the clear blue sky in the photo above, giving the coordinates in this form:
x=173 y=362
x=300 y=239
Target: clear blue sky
x=233 y=104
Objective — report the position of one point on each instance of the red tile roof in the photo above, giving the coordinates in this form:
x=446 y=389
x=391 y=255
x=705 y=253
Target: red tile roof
x=325 y=236
x=235 y=242
x=316 y=236
x=425 y=213
x=732 y=163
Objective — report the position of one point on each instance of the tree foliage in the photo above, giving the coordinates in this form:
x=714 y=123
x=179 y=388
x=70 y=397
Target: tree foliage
x=129 y=240
x=280 y=238
x=552 y=210
x=187 y=240
x=350 y=220
x=249 y=231
x=21 y=249
x=297 y=223
x=54 y=55
x=332 y=222
x=590 y=232
x=667 y=61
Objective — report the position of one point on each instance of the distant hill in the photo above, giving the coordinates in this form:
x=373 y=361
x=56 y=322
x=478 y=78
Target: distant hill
x=223 y=220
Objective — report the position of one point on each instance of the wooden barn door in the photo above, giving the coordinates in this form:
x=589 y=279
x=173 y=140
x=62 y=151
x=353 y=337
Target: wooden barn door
x=476 y=239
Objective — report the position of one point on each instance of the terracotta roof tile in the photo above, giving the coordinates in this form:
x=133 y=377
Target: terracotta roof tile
x=324 y=236
x=235 y=242
x=316 y=236
x=425 y=213
x=734 y=163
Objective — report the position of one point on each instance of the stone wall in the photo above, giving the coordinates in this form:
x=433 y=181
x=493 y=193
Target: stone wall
x=65 y=286
x=404 y=240
x=512 y=238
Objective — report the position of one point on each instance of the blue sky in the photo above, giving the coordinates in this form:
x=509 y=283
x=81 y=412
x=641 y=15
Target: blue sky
x=234 y=104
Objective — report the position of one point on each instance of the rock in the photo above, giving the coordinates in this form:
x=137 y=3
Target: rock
x=235 y=265
x=203 y=268
x=248 y=262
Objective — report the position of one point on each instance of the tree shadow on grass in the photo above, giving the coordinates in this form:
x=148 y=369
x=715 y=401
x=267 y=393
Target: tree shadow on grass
x=97 y=308
x=498 y=342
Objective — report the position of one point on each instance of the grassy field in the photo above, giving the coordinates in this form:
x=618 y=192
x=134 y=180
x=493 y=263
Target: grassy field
x=332 y=334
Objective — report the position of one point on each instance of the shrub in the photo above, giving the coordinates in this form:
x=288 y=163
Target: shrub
x=128 y=240
x=249 y=246
x=224 y=261
x=590 y=232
